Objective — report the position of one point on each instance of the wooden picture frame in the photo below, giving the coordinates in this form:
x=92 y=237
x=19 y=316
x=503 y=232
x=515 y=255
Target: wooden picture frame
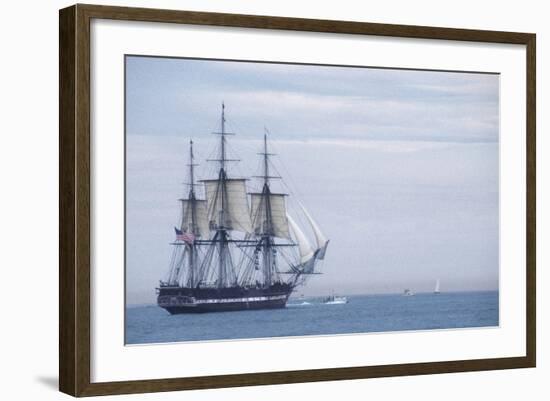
x=74 y=203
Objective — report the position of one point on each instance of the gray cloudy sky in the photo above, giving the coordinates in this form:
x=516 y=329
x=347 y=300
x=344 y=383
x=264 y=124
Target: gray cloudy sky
x=399 y=168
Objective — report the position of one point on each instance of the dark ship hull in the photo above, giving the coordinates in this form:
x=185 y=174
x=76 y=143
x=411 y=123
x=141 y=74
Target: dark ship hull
x=178 y=300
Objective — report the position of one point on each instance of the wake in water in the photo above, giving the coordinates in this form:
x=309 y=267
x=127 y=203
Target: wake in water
x=298 y=305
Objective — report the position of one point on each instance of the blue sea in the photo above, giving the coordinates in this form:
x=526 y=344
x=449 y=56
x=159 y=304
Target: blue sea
x=310 y=316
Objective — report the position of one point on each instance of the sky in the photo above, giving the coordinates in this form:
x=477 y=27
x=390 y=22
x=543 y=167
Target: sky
x=398 y=167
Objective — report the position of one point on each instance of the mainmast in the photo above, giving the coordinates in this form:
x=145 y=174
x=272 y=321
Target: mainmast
x=222 y=175
x=266 y=162
x=222 y=133
x=193 y=204
x=221 y=232
x=227 y=211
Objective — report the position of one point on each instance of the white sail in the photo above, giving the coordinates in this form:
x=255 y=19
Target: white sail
x=436 y=290
x=279 y=219
x=237 y=214
x=308 y=267
x=306 y=253
x=320 y=239
x=201 y=219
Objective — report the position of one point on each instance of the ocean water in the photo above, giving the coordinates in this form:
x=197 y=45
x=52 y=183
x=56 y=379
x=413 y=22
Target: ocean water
x=363 y=314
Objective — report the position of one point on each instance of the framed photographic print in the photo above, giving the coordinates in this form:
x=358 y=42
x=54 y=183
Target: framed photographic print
x=250 y=200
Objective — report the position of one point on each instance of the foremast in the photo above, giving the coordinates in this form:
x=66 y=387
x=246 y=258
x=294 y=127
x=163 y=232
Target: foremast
x=185 y=257
x=189 y=228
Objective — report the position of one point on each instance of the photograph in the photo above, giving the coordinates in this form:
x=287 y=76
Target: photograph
x=270 y=199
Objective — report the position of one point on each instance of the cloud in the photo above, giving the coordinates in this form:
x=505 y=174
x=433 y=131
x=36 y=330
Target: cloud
x=183 y=96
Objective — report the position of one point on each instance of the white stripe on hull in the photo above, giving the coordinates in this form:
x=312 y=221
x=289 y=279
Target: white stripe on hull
x=190 y=301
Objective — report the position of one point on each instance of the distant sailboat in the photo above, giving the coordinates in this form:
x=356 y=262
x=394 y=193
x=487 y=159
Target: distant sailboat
x=436 y=290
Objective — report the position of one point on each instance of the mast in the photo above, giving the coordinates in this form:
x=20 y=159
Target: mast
x=193 y=203
x=267 y=232
x=222 y=133
x=221 y=231
x=267 y=249
x=266 y=164
x=227 y=211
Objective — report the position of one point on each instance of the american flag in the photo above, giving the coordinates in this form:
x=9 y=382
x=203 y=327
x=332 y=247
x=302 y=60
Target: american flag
x=186 y=237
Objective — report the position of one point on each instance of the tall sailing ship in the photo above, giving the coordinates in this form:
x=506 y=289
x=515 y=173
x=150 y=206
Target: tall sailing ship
x=237 y=250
